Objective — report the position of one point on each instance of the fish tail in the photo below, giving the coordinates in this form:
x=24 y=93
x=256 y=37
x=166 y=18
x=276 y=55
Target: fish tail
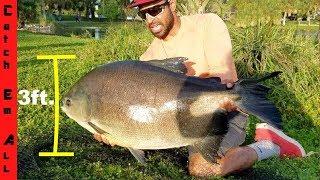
x=254 y=100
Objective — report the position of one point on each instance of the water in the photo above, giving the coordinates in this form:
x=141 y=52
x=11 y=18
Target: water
x=94 y=32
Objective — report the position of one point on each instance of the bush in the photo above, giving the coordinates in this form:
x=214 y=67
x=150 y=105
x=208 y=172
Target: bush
x=111 y=9
x=121 y=42
x=265 y=48
x=29 y=11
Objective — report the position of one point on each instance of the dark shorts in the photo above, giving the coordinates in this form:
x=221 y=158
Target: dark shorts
x=236 y=133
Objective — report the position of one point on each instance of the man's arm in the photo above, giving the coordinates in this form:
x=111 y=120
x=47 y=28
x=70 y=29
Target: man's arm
x=149 y=54
x=218 y=50
x=145 y=56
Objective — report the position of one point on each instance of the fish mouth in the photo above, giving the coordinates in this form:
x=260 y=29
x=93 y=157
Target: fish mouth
x=63 y=108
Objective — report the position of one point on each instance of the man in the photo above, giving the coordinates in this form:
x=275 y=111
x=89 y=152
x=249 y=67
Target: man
x=205 y=41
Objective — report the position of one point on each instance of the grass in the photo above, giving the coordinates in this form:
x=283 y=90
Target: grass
x=304 y=26
x=257 y=50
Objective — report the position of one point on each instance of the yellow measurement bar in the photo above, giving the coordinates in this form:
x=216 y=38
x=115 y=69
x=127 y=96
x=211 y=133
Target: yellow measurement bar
x=55 y=59
x=61 y=154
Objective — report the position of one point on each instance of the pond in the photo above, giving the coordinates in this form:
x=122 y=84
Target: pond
x=94 y=32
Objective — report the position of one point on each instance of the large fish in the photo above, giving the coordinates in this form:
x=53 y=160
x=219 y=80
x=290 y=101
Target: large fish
x=154 y=105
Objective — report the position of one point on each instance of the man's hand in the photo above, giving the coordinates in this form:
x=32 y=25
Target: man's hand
x=190 y=70
x=226 y=78
x=103 y=138
x=227 y=104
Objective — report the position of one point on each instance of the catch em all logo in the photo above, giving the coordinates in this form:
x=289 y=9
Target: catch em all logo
x=8 y=89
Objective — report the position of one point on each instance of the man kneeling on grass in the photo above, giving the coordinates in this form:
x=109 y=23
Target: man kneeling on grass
x=204 y=39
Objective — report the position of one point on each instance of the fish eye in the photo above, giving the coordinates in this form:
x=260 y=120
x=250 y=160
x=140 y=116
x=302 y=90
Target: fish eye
x=68 y=102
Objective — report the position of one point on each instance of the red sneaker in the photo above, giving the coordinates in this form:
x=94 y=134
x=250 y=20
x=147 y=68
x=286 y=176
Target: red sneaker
x=288 y=146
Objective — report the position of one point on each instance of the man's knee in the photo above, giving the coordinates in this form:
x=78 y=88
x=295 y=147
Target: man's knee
x=195 y=165
x=198 y=166
x=237 y=159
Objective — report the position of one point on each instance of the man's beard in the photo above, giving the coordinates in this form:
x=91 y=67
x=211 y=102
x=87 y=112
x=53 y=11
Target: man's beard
x=166 y=29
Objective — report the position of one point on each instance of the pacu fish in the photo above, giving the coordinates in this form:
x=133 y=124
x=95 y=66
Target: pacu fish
x=154 y=105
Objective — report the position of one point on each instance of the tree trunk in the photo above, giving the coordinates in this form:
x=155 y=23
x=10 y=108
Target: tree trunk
x=309 y=20
x=284 y=18
x=299 y=20
x=44 y=12
x=43 y=19
x=87 y=12
x=90 y=9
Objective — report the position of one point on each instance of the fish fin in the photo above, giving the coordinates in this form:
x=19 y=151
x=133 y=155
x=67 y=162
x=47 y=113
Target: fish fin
x=96 y=128
x=86 y=126
x=138 y=154
x=219 y=122
x=213 y=146
x=212 y=83
x=208 y=148
x=265 y=77
x=176 y=64
x=254 y=100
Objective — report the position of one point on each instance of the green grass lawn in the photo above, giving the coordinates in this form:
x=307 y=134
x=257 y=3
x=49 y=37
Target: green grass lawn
x=296 y=93
x=304 y=26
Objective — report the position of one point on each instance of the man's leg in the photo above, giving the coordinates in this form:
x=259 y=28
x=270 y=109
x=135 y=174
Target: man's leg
x=236 y=159
x=270 y=142
x=233 y=157
x=288 y=146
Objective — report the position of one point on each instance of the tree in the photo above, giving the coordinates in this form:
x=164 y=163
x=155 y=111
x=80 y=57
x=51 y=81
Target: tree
x=28 y=10
x=274 y=10
x=112 y=9
x=251 y=12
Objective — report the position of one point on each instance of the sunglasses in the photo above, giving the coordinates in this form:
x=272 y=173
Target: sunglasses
x=154 y=11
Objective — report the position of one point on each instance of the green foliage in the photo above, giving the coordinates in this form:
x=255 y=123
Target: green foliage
x=187 y=7
x=256 y=12
x=245 y=13
x=29 y=10
x=35 y=10
x=266 y=44
x=257 y=50
x=111 y=9
x=123 y=41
